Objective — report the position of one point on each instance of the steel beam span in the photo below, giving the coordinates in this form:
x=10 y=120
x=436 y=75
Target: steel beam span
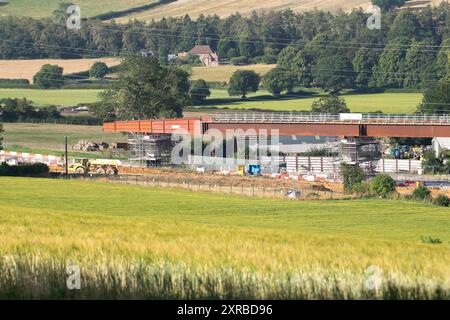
x=300 y=125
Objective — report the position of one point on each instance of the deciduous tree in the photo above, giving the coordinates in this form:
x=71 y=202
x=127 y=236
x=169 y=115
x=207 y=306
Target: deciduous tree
x=146 y=89
x=243 y=82
x=50 y=76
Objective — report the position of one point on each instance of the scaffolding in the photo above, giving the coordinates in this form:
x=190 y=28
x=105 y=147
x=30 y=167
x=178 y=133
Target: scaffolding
x=149 y=150
x=362 y=152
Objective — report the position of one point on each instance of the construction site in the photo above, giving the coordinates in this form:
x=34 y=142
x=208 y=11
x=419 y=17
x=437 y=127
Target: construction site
x=256 y=150
x=350 y=138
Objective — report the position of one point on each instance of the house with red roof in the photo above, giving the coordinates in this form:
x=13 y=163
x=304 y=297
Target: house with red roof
x=207 y=56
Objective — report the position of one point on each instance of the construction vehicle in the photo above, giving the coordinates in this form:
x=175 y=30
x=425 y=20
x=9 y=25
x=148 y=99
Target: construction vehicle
x=97 y=166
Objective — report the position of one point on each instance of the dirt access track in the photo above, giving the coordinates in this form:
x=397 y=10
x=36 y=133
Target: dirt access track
x=208 y=178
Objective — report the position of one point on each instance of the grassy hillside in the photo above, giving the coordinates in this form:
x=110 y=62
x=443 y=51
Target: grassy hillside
x=44 y=8
x=26 y=69
x=138 y=242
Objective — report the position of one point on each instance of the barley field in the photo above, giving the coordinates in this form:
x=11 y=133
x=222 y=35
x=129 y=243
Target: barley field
x=26 y=69
x=224 y=8
x=136 y=242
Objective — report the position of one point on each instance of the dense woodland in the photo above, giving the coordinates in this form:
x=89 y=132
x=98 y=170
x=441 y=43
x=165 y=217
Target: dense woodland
x=410 y=51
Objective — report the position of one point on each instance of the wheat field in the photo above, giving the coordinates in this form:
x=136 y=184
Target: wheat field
x=224 y=8
x=136 y=242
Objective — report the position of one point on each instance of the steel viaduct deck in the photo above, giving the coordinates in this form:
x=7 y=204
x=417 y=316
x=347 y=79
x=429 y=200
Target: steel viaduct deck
x=347 y=125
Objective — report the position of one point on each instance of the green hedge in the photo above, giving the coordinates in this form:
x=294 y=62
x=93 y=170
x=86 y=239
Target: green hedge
x=24 y=170
x=117 y=14
x=14 y=83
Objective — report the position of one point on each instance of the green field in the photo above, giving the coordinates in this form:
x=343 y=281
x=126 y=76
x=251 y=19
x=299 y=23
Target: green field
x=53 y=97
x=44 y=8
x=262 y=100
x=223 y=73
x=49 y=138
x=386 y=102
x=137 y=242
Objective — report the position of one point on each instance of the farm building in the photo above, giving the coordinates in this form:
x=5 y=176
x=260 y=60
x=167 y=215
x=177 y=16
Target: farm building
x=147 y=53
x=206 y=55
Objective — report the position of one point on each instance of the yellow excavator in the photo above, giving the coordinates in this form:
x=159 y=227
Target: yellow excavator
x=97 y=166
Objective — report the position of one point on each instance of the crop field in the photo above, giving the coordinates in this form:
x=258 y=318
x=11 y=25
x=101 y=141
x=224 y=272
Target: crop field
x=58 y=97
x=44 y=8
x=49 y=138
x=26 y=69
x=223 y=73
x=225 y=8
x=137 y=242
x=262 y=100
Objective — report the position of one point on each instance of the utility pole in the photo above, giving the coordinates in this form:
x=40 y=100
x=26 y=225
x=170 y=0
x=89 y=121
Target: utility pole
x=66 y=160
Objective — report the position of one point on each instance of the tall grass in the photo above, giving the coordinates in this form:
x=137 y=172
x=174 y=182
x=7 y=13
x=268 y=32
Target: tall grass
x=31 y=277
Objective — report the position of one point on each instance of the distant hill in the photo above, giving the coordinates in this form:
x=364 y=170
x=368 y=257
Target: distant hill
x=227 y=7
x=90 y=8
x=45 y=8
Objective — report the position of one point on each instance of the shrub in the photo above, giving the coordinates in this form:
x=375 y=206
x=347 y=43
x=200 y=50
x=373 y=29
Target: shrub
x=330 y=104
x=199 y=91
x=383 y=185
x=430 y=240
x=352 y=176
x=24 y=170
x=421 y=193
x=239 y=61
x=98 y=70
x=14 y=83
x=442 y=201
x=363 y=189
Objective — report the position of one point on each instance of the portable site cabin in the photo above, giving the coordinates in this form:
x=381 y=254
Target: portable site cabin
x=440 y=144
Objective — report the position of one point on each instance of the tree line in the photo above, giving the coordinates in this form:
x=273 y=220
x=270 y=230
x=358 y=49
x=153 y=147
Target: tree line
x=410 y=50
